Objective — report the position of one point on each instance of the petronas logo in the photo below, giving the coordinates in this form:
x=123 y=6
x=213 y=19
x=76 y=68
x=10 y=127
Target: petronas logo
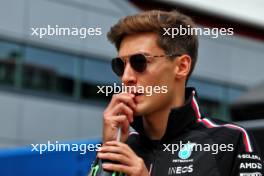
x=186 y=151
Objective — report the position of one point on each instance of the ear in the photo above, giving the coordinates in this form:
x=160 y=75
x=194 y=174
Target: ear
x=182 y=66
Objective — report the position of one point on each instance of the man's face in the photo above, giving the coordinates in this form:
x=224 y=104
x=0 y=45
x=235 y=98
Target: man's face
x=159 y=72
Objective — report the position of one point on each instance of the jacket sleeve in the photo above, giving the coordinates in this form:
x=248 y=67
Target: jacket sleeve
x=247 y=158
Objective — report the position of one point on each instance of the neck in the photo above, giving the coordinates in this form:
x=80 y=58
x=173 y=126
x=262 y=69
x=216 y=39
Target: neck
x=155 y=124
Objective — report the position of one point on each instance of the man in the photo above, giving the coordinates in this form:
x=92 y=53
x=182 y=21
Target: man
x=171 y=137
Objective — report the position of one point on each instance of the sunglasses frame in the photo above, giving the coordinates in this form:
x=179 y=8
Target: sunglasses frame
x=143 y=54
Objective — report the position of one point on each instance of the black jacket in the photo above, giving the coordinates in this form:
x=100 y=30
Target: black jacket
x=209 y=147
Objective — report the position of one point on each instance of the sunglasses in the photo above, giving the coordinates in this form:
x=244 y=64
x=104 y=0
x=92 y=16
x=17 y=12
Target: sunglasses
x=138 y=63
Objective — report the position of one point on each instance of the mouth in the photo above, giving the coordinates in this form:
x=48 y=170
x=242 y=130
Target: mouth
x=138 y=94
x=138 y=97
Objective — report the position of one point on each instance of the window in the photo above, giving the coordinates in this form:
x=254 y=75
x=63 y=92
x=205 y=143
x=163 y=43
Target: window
x=10 y=54
x=49 y=71
x=96 y=73
x=215 y=98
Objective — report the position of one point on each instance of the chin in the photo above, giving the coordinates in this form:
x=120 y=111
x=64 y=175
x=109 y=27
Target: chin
x=142 y=109
x=138 y=111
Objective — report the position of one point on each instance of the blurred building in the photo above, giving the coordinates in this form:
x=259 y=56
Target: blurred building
x=48 y=86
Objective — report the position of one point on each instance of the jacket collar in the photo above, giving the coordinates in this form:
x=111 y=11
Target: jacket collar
x=180 y=118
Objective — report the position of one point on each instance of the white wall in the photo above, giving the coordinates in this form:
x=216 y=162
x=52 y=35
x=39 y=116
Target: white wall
x=17 y=17
x=231 y=59
x=27 y=119
x=242 y=10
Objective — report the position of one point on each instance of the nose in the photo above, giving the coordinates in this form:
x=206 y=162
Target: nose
x=129 y=76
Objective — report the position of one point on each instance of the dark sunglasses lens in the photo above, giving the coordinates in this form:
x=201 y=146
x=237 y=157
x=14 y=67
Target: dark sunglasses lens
x=138 y=62
x=118 y=66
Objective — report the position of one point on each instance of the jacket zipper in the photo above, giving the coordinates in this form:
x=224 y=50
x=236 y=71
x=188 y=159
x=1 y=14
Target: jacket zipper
x=150 y=169
x=152 y=165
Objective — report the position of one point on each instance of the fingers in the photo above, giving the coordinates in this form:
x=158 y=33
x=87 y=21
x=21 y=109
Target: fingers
x=123 y=109
x=124 y=98
x=114 y=157
x=118 y=168
x=127 y=161
x=116 y=147
x=119 y=113
x=123 y=122
x=111 y=126
x=119 y=152
x=120 y=119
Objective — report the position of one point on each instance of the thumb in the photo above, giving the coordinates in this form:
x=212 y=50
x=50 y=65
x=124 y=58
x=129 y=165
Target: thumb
x=124 y=131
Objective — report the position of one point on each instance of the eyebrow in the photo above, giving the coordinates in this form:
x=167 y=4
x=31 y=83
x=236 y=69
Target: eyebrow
x=144 y=53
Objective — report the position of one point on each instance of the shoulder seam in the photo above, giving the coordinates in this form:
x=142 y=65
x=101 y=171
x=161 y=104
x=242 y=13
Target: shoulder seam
x=209 y=124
